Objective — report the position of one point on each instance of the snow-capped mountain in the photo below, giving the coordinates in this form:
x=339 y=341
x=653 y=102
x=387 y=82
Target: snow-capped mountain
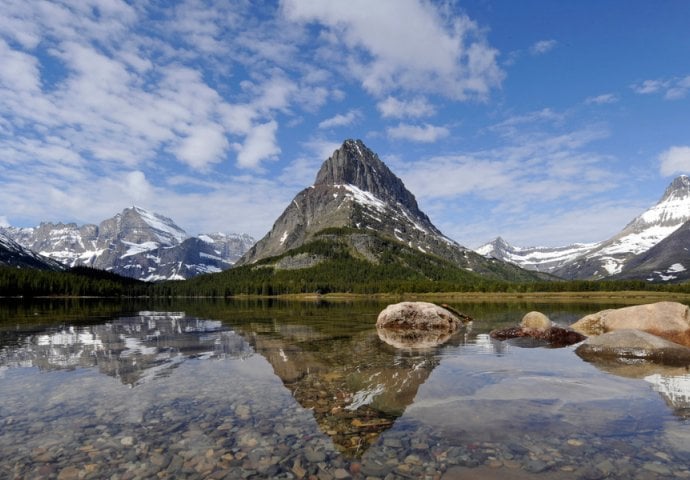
x=651 y=247
x=667 y=261
x=355 y=191
x=135 y=243
x=14 y=255
x=648 y=229
x=540 y=259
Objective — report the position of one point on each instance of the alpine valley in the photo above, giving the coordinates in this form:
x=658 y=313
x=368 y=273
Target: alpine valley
x=652 y=247
x=135 y=243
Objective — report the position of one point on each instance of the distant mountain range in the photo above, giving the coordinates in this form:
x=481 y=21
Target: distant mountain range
x=357 y=206
x=135 y=243
x=652 y=247
x=356 y=199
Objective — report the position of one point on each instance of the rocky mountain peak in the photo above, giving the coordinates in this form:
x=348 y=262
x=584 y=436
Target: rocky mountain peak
x=354 y=164
x=679 y=189
x=139 y=225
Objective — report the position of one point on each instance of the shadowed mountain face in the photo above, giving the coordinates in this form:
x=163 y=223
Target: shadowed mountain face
x=355 y=190
x=667 y=261
x=14 y=255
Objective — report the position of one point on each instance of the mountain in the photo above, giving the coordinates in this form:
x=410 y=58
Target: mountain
x=629 y=254
x=356 y=199
x=648 y=229
x=135 y=243
x=540 y=259
x=667 y=261
x=14 y=255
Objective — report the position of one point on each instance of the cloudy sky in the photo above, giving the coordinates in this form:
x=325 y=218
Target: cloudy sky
x=545 y=122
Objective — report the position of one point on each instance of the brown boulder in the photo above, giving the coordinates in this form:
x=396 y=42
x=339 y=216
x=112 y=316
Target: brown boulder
x=536 y=321
x=670 y=320
x=417 y=316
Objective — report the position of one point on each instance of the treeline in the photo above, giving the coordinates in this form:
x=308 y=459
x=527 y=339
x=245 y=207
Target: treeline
x=337 y=268
x=78 y=282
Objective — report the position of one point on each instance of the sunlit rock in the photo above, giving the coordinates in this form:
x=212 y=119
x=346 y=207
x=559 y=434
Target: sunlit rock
x=535 y=321
x=670 y=320
x=418 y=316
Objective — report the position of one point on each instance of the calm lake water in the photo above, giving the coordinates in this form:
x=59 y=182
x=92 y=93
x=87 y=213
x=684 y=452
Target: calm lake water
x=308 y=390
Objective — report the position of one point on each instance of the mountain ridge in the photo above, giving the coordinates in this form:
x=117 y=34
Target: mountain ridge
x=608 y=258
x=136 y=243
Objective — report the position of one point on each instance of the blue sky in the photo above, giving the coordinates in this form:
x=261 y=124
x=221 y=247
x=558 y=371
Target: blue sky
x=542 y=121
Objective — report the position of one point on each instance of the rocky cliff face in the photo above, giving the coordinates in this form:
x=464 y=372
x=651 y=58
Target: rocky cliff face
x=135 y=243
x=355 y=190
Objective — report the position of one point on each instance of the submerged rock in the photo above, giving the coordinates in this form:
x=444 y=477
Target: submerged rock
x=537 y=326
x=413 y=338
x=670 y=320
x=629 y=344
x=417 y=324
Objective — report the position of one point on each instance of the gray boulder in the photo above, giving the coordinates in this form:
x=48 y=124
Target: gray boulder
x=628 y=344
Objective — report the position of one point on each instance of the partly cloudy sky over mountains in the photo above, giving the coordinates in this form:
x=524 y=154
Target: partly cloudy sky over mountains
x=545 y=122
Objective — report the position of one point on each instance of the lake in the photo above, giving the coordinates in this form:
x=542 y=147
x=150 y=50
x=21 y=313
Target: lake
x=273 y=389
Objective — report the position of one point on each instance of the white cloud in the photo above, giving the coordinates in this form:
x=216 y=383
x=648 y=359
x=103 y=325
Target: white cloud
x=417 y=133
x=259 y=145
x=515 y=125
x=203 y=145
x=674 y=88
x=543 y=46
x=417 y=107
x=602 y=99
x=137 y=187
x=341 y=120
x=675 y=160
x=441 y=55
x=679 y=89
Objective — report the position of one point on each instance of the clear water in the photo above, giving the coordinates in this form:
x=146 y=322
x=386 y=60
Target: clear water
x=300 y=390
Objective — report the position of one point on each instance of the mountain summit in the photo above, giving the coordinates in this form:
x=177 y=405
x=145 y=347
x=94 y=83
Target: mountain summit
x=356 y=194
x=354 y=164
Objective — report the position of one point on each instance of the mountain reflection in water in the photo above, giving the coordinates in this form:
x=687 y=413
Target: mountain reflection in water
x=133 y=349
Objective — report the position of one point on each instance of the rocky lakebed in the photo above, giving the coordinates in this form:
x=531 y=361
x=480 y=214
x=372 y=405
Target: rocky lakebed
x=315 y=391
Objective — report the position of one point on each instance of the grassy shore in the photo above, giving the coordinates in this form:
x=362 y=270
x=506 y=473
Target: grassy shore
x=624 y=297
